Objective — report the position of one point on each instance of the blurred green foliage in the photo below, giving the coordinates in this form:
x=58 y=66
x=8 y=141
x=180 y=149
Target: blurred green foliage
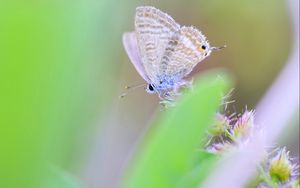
x=57 y=178
x=167 y=156
x=60 y=62
x=49 y=77
x=204 y=163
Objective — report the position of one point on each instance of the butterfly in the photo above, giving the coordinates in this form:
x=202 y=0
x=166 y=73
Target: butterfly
x=163 y=52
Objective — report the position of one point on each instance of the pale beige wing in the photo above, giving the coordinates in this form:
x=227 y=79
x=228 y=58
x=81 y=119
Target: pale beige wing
x=154 y=29
x=184 y=51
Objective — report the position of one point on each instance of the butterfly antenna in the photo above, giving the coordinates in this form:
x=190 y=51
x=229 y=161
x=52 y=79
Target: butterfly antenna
x=131 y=88
x=218 y=48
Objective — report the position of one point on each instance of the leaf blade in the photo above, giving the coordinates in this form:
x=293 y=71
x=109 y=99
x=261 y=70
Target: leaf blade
x=166 y=157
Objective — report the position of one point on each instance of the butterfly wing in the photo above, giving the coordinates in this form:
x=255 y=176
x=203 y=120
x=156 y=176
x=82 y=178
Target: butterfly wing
x=185 y=50
x=153 y=29
x=131 y=48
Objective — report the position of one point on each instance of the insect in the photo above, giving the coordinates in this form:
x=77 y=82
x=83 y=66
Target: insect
x=163 y=52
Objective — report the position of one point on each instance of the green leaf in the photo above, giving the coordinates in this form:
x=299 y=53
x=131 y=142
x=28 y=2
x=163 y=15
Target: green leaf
x=166 y=157
x=204 y=161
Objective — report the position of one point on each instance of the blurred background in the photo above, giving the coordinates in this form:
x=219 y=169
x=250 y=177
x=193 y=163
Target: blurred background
x=63 y=66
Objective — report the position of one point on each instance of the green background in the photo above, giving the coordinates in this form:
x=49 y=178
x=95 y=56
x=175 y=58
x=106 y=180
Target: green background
x=63 y=66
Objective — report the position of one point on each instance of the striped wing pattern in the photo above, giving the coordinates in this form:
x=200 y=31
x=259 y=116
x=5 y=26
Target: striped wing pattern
x=154 y=30
x=183 y=52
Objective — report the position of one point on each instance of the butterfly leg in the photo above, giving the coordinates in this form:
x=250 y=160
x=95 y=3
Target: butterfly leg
x=168 y=96
x=167 y=99
x=188 y=84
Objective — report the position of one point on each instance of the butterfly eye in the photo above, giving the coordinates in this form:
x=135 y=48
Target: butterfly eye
x=203 y=47
x=150 y=87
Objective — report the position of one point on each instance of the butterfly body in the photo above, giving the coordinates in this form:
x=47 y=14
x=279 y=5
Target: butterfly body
x=163 y=52
x=164 y=84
